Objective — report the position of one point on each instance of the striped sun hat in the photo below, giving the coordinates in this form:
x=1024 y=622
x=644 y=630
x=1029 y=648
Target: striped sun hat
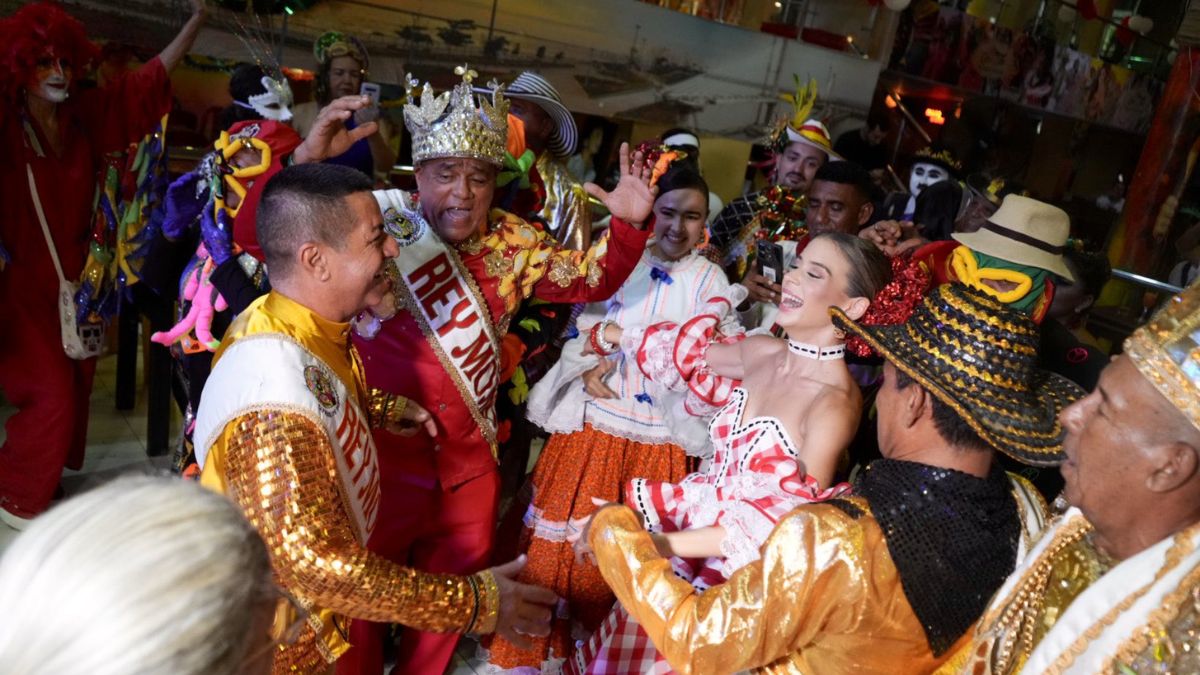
x=980 y=358
x=814 y=133
x=529 y=86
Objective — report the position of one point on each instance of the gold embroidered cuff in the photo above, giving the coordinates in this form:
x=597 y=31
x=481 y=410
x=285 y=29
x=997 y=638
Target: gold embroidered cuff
x=488 y=608
x=385 y=409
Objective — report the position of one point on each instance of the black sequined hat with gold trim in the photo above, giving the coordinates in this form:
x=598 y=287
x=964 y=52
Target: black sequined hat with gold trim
x=980 y=358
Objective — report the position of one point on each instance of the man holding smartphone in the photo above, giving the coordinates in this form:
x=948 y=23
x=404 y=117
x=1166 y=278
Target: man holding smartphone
x=839 y=200
x=342 y=71
x=778 y=212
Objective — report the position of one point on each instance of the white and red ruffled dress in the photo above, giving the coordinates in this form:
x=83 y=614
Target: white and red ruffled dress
x=754 y=479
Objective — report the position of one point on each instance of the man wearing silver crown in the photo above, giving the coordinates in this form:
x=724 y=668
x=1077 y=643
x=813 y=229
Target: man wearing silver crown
x=461 y=273
x=1113 y=586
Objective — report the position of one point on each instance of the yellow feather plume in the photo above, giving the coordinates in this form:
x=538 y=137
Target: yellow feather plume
x=802 y=101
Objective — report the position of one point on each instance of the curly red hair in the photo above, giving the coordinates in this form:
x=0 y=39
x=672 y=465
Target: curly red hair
x=30 y=33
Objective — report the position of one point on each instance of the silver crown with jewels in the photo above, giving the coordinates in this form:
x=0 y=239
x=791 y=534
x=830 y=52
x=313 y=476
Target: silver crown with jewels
x=451 y=125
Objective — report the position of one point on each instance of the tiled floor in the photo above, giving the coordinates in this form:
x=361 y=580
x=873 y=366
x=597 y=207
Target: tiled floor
x=116 y=439
x=464 y=659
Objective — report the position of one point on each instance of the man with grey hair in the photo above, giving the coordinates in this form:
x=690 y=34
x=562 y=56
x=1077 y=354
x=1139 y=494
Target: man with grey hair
x=1112 y=586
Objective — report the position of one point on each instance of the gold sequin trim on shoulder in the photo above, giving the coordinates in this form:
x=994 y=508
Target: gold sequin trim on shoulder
x=563 y=270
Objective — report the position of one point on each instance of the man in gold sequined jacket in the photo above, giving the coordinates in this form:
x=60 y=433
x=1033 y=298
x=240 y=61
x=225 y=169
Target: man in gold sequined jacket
x=890 y=579
x=462 y=272
x=284 y=429
x=1113 y=586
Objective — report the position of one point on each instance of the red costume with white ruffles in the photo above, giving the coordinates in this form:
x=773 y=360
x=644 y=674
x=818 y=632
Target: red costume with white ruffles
x=754 y=480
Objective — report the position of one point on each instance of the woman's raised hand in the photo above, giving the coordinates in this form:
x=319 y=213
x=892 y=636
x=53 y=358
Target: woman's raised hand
x=633 y=198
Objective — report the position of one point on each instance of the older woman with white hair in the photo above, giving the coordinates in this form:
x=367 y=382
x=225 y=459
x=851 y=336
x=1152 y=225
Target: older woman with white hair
x=142 y=575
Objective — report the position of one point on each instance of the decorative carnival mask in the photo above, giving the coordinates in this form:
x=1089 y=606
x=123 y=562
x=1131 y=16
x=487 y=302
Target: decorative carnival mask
x=451 y=125
x=233 y=174
x=52 y=82
x=275 y=103
x=923 y=175
x=1023 y=284
x=931 y=167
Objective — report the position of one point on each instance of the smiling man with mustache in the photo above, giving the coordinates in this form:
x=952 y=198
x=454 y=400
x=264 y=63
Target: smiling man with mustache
x=462 y=271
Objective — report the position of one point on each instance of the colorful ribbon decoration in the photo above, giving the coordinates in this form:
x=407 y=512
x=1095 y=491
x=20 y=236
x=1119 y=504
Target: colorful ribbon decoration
x=515 y=168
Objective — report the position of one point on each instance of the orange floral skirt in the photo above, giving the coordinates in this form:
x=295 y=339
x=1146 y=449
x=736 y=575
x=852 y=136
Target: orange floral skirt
x=574 y=468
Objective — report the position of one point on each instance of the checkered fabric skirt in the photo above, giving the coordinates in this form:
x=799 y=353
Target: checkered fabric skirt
x=620 y=645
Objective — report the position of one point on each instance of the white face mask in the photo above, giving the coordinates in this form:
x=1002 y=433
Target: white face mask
x=274 y=104
x=55 y=86
x=923 y=175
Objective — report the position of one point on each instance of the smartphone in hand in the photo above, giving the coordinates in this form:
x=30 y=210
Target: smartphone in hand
x=372 y=90
x=769 y=261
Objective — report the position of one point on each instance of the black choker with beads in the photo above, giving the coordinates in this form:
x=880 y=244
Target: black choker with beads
x=816 y=353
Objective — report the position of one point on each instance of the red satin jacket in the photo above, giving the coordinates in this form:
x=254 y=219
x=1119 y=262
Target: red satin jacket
x=509 y=264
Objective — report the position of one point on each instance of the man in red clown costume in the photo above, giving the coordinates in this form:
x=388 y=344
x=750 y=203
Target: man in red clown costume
x=462 y=271
x=55 y=137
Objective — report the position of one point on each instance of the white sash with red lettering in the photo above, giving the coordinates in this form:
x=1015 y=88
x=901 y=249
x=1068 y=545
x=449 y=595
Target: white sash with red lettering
x=272 y=371
x=447 y=304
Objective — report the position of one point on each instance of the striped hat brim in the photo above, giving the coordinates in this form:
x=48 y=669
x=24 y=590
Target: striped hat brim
x=1024 y=427
x=814 y=134
x=532 y=87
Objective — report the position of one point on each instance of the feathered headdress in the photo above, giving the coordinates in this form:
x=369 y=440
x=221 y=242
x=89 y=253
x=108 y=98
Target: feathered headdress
x=276 y=99
x=801 y=128
x=802 y=100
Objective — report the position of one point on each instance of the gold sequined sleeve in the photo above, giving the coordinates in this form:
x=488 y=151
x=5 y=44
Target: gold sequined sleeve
x=557 y=274
x=808 y=581
x=280 y=469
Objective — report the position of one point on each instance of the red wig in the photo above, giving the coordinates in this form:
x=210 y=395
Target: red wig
x=30 y=33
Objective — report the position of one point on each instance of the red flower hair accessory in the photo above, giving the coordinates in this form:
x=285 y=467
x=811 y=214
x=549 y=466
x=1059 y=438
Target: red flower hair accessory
x=893 y=304
x=658 y=157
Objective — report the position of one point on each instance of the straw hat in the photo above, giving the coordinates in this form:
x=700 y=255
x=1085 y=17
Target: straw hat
x=980 y=358
x=814 y=134
x=1024 y=231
